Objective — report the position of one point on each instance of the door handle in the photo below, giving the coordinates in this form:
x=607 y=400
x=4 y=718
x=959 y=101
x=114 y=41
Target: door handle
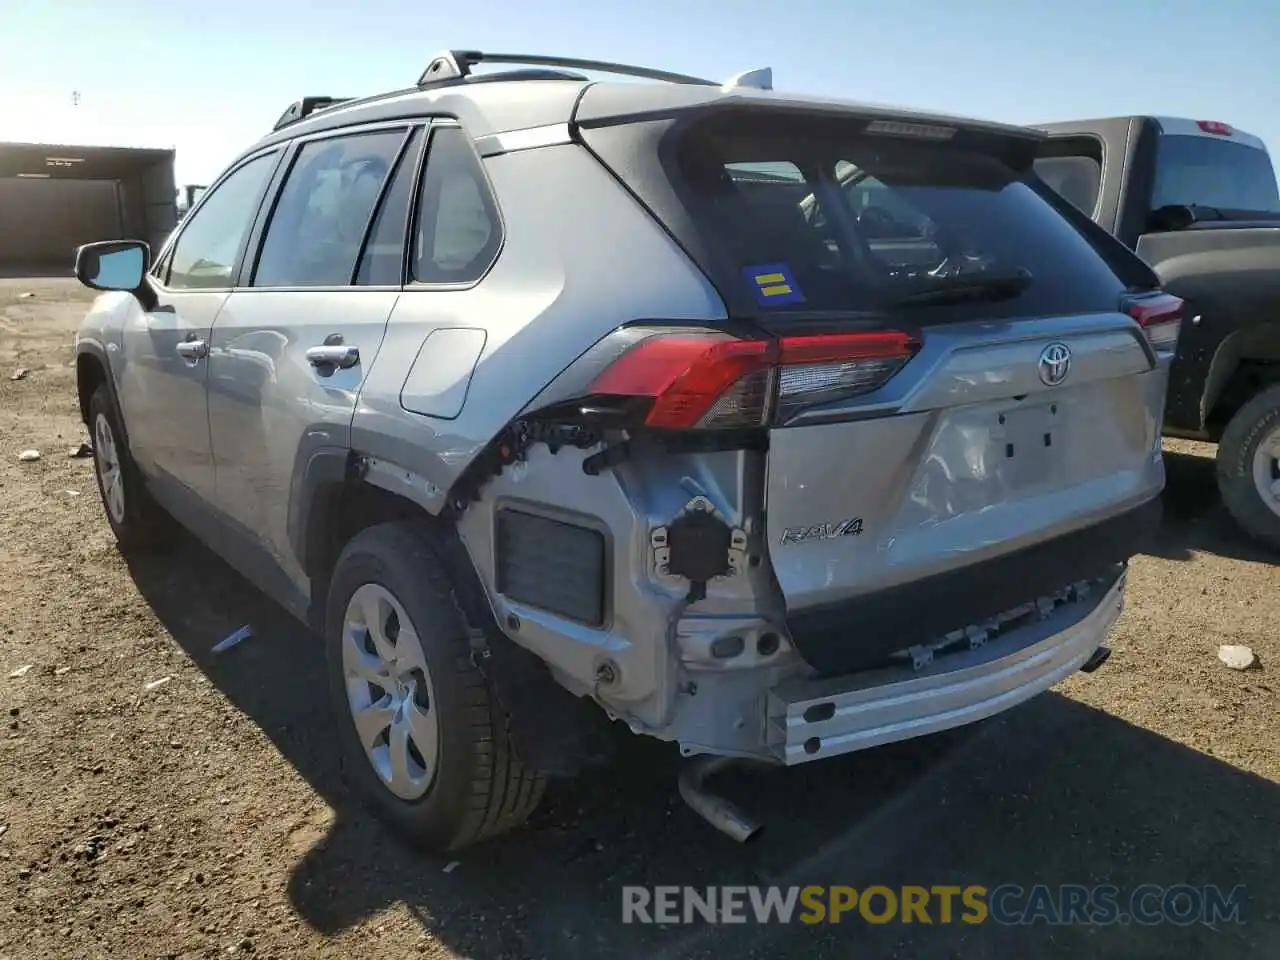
x=337 y=355
x=193 y=350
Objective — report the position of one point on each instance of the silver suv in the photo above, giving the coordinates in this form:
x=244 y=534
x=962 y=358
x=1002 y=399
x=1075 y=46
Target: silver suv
x=774 y=427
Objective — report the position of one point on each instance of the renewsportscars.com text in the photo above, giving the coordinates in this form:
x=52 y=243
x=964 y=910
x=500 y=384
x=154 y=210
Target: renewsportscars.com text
x=1007 y=904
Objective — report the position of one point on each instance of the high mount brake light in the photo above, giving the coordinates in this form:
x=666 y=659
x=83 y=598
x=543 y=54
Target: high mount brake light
x=714 y=381
x=1160 y=316
x=1215 y=126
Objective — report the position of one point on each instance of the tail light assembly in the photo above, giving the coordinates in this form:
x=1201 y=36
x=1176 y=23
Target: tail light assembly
x=709 y=380
x=1160 y=316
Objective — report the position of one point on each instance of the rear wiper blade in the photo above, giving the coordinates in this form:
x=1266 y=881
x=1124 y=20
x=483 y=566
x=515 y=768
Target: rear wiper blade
x=979 y=287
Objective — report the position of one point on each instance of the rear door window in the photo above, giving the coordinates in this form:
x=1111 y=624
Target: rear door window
x=829 y=218
x=382 y=262
x=1076 y=179
x=324 y=210
x=1214 y=172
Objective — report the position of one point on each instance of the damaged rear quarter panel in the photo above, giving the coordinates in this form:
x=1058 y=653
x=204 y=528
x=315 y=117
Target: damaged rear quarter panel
x=579 y=258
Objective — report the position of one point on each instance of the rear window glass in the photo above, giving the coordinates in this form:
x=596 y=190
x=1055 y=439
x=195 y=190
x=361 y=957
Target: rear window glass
x=1214 y=172
x=829 y=218
x=1076 y=179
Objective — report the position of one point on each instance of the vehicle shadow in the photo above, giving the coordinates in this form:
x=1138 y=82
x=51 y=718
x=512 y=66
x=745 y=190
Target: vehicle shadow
x=1054 y=793
x=1195 y=519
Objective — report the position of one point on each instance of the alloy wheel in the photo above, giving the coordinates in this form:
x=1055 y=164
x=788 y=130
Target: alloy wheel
x=110 y=473
x=389 y=691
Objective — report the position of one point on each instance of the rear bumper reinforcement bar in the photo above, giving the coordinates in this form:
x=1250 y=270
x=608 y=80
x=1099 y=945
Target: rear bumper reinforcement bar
x=812 y=719
x=898 y=617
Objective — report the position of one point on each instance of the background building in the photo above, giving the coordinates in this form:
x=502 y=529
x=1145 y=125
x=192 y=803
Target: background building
x=67 y=178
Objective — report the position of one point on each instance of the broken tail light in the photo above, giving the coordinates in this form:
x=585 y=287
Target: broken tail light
x=709 y=380
x=1160 y=316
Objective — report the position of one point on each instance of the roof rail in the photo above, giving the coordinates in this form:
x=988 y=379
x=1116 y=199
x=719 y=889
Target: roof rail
x=303 y=108
x=759 y=79
x=454 y=65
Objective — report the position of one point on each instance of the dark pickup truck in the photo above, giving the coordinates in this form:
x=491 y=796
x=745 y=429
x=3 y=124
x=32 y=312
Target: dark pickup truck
x=1198 y=201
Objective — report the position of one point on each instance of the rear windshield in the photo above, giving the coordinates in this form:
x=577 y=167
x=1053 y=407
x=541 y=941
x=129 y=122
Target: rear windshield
x=831 y=218
x=1214 y=172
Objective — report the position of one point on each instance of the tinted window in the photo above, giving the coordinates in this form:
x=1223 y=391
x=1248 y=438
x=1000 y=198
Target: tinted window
x=859 y=222
x=1214 y=172
x=884 y=214
x=324 y=209
x=382 y=262
x=205 y=252
x=458 y=230
x=1076 y=179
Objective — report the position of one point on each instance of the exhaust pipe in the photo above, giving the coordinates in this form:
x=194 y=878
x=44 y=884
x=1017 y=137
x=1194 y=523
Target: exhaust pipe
x=716 y=810
x=1096 y=659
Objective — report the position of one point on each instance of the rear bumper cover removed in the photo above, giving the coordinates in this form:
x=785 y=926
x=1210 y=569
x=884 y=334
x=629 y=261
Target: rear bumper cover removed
x=918 y=612
x=882 y=706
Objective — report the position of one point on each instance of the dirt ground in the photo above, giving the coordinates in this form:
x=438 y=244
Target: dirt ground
x=205 y=816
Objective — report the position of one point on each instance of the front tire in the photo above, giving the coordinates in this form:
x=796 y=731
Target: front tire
x=1248 y=467
x=422 y=737
x=137 y=521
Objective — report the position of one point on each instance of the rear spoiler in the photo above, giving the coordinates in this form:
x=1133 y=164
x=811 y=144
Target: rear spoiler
x=609 y=104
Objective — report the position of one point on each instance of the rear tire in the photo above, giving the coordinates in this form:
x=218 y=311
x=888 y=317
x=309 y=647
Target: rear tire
x=422 y=737
x=1248 y=470
x=138 y=522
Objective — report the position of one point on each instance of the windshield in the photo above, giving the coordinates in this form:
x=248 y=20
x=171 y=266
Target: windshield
x=856 y=222
x=1214 y=172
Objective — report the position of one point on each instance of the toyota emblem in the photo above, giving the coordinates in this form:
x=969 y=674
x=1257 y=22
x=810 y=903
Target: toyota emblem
x=1055 y=364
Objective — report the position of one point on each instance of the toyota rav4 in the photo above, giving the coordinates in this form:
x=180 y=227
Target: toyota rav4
x=773 y=427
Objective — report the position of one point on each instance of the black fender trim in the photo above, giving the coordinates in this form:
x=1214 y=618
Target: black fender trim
x=319 y=475
x=94 y=349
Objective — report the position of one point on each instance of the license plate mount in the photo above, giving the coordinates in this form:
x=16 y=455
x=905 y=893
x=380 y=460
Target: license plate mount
x=1024 y=442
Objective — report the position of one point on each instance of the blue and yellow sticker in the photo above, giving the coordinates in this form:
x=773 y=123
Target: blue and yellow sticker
x=773 y=284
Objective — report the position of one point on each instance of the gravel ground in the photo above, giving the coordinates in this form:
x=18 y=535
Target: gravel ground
x=205 y=817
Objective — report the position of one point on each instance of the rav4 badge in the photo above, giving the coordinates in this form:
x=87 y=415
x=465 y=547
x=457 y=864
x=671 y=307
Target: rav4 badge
x=823 y=531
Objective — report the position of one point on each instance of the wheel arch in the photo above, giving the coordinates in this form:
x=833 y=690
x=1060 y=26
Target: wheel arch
x=330 y=503
x=339 y=493
x=1246 y=362
x=92 y=371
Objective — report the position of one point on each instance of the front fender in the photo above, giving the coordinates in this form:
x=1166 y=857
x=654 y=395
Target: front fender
x=99 y=347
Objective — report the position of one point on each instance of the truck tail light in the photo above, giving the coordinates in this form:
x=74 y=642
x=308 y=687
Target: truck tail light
x=1160 y=316
x=709 y=381
x=1215 y=127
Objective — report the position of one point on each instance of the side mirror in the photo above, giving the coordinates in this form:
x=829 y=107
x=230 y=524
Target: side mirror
x=113 y=265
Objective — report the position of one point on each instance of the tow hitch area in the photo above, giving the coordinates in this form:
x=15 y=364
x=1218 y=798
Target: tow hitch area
x=1096 y=659
x=716 y=810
